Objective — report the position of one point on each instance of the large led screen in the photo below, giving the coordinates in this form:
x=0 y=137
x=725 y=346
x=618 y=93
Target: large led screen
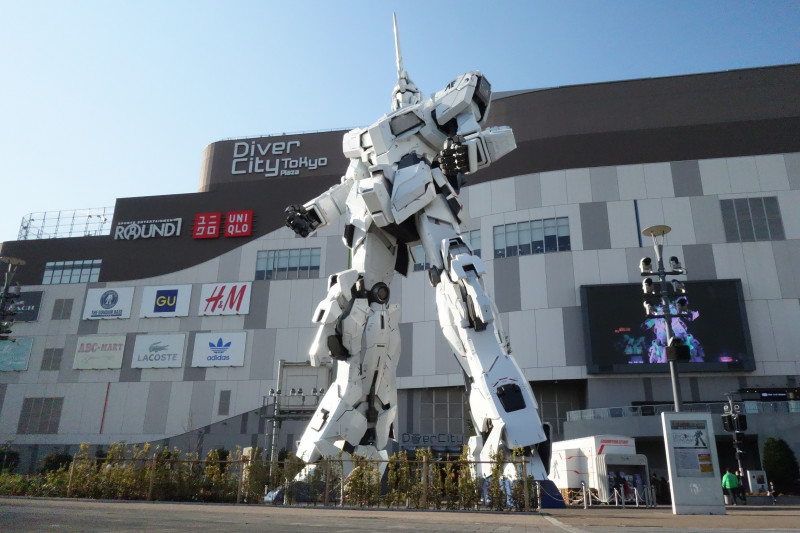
x=621 y=338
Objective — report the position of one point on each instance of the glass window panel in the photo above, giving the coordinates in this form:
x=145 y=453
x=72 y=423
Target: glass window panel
x=426 y=425
x=282 y=264
x=475 y=239
x=95 y=275
x=85 y=275
x=759 y=219
x=76 y=276
x=774 y=220
x=97 y=262
x=427 y=396
x=499 y=241
x=550 y=237
x=511 y=240
x=563 y=234
x=305 y=263
x=440 y=411
x=742 y=207
x=729 y=221
x=294 y=263
x=48 y=277
x=524 y=238
x=537 y=236
x=315 y=262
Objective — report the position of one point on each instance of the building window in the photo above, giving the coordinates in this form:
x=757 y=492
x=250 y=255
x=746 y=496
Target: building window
x=471 y=238
x=752 y=219
x=297 y=263
x=532 y=237
x=62 y=309
x=51 y=360
x=58 y=272
x=224 y=407
x=40 y=416
x=442 y=411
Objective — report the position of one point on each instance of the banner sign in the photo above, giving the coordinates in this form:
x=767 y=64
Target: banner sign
x=99 y=352
x=27 y=306
x=108 y=303
x=158 y=351
x=15 y=354
x=147 y=229
x=166 y=301
x=219 y=349
x=225 y=299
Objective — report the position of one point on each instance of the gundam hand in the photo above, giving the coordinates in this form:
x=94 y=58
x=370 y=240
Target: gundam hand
x=454 y=159
x=300 y=220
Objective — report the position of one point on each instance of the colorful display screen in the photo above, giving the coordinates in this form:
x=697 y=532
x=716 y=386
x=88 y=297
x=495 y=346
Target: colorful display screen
x=620 y=337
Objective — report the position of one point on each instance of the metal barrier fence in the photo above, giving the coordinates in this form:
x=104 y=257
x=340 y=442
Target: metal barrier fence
x=89 y=222
x=748 y=407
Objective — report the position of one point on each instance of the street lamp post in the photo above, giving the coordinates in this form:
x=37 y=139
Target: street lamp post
x=662 y=295
x=10 y=292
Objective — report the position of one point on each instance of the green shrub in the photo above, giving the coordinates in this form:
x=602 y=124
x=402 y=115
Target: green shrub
x=9 y=460
x=54 y=461
x=780 y=464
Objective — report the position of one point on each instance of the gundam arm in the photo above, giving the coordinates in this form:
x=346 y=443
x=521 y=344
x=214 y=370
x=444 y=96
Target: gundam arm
x=326 y=208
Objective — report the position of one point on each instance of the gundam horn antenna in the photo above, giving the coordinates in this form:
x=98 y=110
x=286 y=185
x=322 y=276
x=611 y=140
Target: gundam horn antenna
x=405 y=92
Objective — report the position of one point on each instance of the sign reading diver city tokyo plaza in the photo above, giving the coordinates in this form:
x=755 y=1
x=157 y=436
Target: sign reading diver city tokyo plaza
x=257 y=157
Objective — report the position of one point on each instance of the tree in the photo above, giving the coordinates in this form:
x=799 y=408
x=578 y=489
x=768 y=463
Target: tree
x=9 y=460
x=54 y=461
x=780 y=464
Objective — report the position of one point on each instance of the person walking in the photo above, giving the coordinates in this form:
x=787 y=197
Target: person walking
x=730 y=484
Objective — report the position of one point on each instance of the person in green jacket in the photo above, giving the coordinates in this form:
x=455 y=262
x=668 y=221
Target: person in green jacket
x=730 y=484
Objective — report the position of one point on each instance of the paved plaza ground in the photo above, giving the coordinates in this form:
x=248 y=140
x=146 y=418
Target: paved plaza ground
x=42 y=515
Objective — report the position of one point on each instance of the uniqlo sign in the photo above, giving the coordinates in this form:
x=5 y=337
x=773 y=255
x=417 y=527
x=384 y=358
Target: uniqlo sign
x=239 y=223
x=206 y=225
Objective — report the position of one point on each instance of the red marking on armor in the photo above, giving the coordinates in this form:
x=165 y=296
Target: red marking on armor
x=601 y=449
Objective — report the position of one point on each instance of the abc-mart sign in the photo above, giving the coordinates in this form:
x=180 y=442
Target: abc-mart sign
x=147 y=229
x=222 y=348
x=103 y=304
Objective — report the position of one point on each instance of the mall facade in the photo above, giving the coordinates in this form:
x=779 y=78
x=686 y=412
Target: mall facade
x=172 y=319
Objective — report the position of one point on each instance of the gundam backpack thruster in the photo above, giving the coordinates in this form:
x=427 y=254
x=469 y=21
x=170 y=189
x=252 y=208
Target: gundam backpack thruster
x=401 y=190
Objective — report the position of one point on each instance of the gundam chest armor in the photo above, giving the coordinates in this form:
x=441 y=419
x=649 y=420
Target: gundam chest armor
x=400 y=190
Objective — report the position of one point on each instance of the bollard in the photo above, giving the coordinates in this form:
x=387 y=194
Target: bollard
x=583 y=492
x=424 y=481
x=525 y=484
x=636 y=496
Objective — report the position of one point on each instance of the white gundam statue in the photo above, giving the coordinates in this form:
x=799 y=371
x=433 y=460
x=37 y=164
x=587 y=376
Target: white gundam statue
x=401 y=190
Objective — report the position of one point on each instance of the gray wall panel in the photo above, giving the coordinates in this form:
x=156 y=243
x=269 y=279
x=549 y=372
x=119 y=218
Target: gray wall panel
x=560 y=280
x=787 y=257
x=699 y=261
x=573 y=336
x=126 y=373
x=229 y=264
x=202 y=403
x=9 y=377
x=605 y=185
x=87 y=327
x=594 y=226
x=445 y=359
x=257 y=317
x=793 y=169
x=155 y=417
x=506 y=284
x=191 y=373
x=66 y=373
x=262 y=360
x=3 y=387
x=529 y=191
x=336 y=256
x=404 y=366
x=707 y=220
x=686 y=178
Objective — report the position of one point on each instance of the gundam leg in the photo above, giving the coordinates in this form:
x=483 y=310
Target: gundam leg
x=359 y=329
x=502 y=406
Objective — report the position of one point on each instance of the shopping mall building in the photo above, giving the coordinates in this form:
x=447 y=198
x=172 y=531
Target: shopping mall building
x=169 y=319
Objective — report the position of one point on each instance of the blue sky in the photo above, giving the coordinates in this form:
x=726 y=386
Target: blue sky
x=109 y=99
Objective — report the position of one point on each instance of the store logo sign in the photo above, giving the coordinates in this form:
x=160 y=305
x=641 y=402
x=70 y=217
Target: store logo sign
x=206 y=225
x=109 y=299
x=272 y=158
x=219 y=349
x=225 y=299
x=147 y=229
x=239 y=223
x=166 y=301
x=108 y=303
x=209 y=225
x=158 y=351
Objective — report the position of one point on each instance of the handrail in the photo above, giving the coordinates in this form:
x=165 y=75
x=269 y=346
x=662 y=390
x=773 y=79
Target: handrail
x=748 y=407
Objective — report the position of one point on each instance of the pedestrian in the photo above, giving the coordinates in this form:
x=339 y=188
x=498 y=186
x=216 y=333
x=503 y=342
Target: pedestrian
x=730 y=485
x=772 y=493
x=740 y=491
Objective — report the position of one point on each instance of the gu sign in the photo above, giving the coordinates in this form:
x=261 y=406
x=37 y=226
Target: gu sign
x=225 y=299
x=166 y=301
